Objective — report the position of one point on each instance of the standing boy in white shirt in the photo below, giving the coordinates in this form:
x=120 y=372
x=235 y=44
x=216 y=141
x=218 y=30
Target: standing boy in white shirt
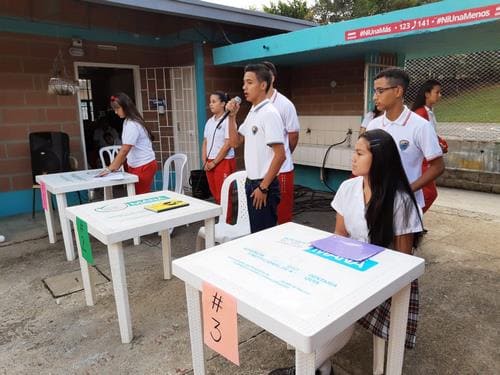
x=262 y=132
x=414 y=137
x=291 y=128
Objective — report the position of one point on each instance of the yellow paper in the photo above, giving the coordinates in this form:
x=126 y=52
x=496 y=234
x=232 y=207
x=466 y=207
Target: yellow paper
x=166 y=205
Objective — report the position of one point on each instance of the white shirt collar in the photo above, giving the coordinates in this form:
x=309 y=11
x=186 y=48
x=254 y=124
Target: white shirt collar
x=401 y=120
x=255 y=108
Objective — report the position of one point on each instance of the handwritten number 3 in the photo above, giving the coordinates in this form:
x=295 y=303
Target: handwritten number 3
x=216 y=327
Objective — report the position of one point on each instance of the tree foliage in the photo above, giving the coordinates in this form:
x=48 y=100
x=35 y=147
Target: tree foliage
x=328 y=11
x=294 y=8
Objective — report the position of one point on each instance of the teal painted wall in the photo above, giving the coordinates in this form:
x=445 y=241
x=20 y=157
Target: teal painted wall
x=20 y=201
x=199 y=74
x=320 y=39
x=20 y=25
x=309 y=177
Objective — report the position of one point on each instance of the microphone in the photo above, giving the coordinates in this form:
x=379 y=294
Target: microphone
x=237 y=99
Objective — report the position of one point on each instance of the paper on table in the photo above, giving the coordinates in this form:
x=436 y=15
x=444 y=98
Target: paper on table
x=220 y=322
x=111 y=176
x=347 y=248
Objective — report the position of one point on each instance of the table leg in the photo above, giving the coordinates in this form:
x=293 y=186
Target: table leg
x=87 y=277
x=195 y=319
x=131 y=193
x=166 y=252
x=65 y=226
x=117 y=265
x=49 y=219
x=305 y=363
x=209 y=233
x=397 y=331
x=378 y=355
x=108 y=192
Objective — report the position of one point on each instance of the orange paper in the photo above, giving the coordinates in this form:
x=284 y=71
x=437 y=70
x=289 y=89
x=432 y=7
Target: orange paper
x=43 y=193
x=220 y=327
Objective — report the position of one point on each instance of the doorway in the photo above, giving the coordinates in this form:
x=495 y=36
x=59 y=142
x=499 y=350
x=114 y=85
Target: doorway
x=99 y=125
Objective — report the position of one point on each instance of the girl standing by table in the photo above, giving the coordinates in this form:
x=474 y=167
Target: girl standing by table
x=136 y=151
x=218 y=156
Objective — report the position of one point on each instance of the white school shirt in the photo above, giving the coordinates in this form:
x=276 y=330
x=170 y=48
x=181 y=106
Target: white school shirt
x=415 y=140
x=262 y=128
x=291 y=124
x=142 y=151
x=350 y=203
x=432 y=117
x=219 y=138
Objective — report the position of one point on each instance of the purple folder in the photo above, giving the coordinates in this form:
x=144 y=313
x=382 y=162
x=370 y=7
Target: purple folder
x=347 y=248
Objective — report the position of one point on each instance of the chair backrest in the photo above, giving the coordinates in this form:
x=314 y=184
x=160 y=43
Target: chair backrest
x=180 y=162
x=108 y=154
x=49 y=153
x=239 y=178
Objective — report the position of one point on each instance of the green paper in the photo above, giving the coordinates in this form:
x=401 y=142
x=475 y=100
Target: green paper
x=83 y=236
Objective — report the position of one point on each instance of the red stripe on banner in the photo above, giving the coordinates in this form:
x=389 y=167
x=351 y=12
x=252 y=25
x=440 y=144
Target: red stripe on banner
x=445 y=19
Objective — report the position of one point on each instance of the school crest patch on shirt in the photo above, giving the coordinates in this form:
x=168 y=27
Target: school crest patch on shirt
x=403 y=144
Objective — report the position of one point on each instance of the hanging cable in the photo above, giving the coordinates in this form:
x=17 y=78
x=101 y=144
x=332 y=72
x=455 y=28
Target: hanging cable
x=322 y=172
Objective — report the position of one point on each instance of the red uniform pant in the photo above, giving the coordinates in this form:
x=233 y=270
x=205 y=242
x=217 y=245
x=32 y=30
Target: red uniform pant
x=429 y=190
x=216 y=177
x=285 y=207
x=146 y=174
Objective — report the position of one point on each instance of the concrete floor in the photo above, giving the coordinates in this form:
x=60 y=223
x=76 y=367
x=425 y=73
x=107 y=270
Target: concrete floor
x=457 y=334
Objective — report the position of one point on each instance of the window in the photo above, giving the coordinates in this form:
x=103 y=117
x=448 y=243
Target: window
x=86 y=104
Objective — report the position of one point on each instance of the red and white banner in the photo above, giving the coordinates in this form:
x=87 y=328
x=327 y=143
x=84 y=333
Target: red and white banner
x=445 y=19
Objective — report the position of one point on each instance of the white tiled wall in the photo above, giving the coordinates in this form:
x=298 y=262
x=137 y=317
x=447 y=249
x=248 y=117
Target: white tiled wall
x=317 y=133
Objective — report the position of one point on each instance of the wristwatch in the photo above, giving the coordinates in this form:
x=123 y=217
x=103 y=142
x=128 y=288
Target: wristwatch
x=263 y=190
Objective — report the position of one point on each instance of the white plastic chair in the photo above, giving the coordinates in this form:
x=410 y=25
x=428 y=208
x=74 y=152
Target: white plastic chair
x=180 y=162
x=226 y=232
x=111 y=152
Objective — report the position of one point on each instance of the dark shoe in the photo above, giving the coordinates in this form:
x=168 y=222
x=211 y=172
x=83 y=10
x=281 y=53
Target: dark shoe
x=291 y=371
x=283 y=371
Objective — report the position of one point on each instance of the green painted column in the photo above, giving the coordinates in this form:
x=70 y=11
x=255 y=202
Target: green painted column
x=199 y=74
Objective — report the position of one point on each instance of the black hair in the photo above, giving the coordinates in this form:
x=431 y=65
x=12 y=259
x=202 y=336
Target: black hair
x=426 y=87
x=376 y=112
x=223 y=96
x=262 y=72
x=269 y=65
x=122 y=100
x=396 y=77
x=387 y=179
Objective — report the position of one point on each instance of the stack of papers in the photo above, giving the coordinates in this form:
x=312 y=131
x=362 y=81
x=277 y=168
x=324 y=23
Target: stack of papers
x=347 y=248
x=112 y=176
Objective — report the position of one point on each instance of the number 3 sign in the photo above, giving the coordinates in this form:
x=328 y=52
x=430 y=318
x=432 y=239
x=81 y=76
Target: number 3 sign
x=220 y=327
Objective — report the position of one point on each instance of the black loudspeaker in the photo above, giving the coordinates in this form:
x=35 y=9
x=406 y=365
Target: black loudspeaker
x=49 y=153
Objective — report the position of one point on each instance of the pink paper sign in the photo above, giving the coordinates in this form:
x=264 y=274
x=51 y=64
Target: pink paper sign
x=43 y=192
x=220 y=327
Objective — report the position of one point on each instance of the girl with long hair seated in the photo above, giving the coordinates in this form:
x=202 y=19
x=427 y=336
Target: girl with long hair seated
x=376 y=206
x=137 y=148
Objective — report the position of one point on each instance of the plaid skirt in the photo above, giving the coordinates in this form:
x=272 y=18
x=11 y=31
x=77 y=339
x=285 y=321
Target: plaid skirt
x=377 y=321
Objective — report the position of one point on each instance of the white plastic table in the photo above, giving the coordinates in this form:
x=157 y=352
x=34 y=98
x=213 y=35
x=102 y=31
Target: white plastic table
x=117 y=220
x=61 y=183
x=299 y=294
